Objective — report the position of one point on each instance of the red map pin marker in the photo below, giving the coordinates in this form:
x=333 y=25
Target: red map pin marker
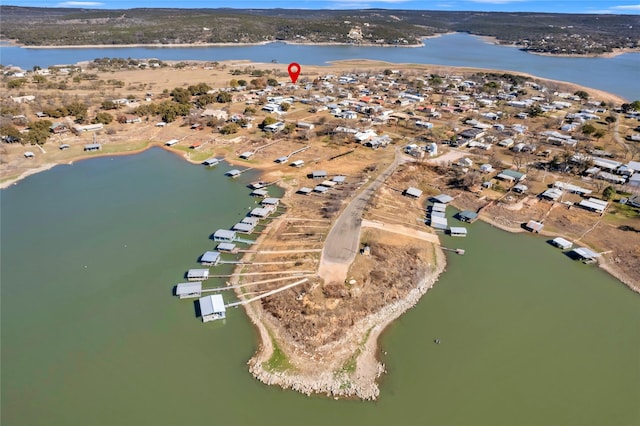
x=294 y=71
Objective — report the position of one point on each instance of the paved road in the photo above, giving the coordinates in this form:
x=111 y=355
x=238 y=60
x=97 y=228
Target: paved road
x=341 y=244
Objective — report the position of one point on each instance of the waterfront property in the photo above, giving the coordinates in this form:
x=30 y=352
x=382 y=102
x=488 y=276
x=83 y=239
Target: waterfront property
x=212 y=307
x=210 y=258
x=189 y=290
x=197 y=274
x=224 y=235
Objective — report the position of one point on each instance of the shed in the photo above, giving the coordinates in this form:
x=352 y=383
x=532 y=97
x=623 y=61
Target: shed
x=297 y=163
x=328 y=183
x=552 y=194
x=227 y=247
x=321 y=189
x=412 y=192
x=224 y=235
x=29 y=154
x=189 y=290
x=305 y=191
x=210 y=258
x=534 y=226
x=443 y=198
x=458 y=231
x=92 y=147
x=197 y=274
x=212 y=307
x=319 y=174
x=562 y=243
x=467 y=216
x=339 y=179
x=439 y=222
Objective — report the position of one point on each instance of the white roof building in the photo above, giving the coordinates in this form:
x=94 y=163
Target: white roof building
x=212 y=307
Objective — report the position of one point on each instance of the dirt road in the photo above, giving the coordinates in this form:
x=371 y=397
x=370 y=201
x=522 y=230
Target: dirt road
x=341 y=244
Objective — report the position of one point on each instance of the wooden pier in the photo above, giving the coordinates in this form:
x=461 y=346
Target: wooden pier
x=269 y=293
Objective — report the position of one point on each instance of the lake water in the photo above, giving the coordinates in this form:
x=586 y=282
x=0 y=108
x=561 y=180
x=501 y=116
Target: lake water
x=91 y=333
x=617 y=75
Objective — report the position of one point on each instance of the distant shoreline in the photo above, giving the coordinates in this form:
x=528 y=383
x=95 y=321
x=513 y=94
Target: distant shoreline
x=486 y=39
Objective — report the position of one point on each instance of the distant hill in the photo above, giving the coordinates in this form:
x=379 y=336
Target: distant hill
x=539 y=32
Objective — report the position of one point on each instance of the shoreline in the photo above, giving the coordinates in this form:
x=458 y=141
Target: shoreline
x=615 y=52
x=487 y=39
x=606 y=266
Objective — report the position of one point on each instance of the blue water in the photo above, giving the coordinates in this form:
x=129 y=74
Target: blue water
x=618 y=75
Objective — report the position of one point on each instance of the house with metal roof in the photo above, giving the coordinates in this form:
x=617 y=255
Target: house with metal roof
x=212 y=307
x=189 y=290
x=511 y=175
x=210 y=258
x=224 y=235
x=594 y=205
x=197 y=274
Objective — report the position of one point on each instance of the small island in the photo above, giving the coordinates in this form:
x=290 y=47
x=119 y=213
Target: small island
x=369 y=156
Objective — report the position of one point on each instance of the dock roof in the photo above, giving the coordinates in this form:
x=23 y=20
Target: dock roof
x=243 y=227
x=439 y=222
x=210 y=257
x=562 y=243
x=226 y=247
x=458 y=230
x=184 y=289
x=224 y=234
x=198 y=273
x=467 y=216
x=211 y=304
x=443 y=198
x=585 y=253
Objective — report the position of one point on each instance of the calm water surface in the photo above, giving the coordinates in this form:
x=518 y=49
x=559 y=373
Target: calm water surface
x=617 y=75
x=92 y=335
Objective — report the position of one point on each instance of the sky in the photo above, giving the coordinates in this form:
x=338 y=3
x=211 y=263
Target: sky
x=567 y=6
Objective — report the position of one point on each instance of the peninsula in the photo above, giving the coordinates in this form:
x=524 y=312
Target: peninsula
x=364 y=151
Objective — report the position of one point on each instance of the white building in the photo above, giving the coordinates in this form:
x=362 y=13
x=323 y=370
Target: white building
x=212 y=308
